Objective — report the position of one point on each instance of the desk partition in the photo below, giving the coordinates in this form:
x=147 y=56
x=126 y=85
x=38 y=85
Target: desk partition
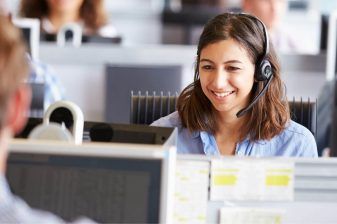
x=255 y=190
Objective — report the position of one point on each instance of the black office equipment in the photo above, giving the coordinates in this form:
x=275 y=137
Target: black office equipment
x=191 y=17
x=85 y=38
x=324 y=32
x=107 y=132
x=188 y=19
x=147 y=108
x=125 y=133
x=122 y=79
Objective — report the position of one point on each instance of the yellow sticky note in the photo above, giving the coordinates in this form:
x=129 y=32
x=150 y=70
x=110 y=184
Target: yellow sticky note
x=277 y=180
x=224 y=180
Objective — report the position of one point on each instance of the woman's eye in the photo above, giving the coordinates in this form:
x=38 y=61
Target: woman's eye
x=206 y=67
x=232 y=68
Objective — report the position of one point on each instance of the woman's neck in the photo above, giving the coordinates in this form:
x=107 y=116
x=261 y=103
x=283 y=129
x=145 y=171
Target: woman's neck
x=229 y=132
x=59 y=19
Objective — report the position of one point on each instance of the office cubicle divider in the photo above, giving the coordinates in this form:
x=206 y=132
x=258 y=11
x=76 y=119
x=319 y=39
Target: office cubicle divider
x=281 y=190
x=122 y=79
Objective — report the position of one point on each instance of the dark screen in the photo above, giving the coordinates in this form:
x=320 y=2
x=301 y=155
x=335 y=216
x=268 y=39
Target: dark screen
x=103 y=189
x=26 y=32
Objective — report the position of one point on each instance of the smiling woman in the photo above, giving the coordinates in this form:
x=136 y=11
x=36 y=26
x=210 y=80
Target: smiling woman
x=237 y=103
x=226 y=76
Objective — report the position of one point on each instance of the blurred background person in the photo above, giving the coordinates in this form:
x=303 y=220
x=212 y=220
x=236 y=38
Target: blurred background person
x=15 y=98
x=220 y=4
x=41 y=72
x=54 y=14
x=271 y=12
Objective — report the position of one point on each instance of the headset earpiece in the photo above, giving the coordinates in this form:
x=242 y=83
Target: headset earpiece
x=263 y=70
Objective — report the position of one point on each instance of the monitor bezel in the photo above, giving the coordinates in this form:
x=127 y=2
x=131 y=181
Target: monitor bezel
x=166 y=153
x=34 y=39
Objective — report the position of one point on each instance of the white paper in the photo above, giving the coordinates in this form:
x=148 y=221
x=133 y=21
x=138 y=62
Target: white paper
x=191 y=192
x=251 y=216
x=252 y=180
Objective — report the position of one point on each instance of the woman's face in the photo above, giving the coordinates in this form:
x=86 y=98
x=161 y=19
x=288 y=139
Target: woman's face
x=65 y=6
x=226 y=75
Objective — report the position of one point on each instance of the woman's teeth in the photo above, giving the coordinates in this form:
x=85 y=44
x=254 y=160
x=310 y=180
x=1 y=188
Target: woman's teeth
x=223 y=94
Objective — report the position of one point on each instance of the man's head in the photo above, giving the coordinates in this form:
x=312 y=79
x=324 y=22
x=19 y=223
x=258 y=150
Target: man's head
x=269 y=11
x=14 y=94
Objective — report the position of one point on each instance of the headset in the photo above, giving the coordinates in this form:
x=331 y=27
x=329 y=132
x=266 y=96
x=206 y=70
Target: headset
x=263 y=68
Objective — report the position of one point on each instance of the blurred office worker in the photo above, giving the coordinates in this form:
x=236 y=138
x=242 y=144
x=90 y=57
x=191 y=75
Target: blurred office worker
x=14 y=102
x=271 y=12
x=237 y=103
x=210 y=3
x=54 y=14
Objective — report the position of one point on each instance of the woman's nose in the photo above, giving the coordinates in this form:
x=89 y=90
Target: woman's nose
x=220 y=79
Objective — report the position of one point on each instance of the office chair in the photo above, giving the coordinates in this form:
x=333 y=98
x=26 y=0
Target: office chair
x=147 y=108
x=304 y=113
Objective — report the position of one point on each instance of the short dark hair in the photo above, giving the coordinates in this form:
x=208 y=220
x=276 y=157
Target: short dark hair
x=270 y=114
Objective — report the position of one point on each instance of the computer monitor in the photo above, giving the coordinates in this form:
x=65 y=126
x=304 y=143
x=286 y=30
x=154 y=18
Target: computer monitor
x=85 y=38
x=324 y=32
x=109 y=183
x=31 y=33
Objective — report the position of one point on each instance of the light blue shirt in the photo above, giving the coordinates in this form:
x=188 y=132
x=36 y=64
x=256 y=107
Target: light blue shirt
x=294 y=141
x=43 y=73
x=15 y=210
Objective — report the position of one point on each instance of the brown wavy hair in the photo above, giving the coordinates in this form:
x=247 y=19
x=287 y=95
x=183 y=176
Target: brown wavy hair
x=269 y=116
x=13 y=63
x=92 y=12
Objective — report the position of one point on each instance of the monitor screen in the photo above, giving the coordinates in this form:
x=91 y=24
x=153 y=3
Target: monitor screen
x=101 y=183
x=31 y=34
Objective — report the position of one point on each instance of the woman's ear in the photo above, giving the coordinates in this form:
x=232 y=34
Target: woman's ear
x=18 y=107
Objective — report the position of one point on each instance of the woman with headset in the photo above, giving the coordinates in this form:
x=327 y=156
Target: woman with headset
x=237 y=103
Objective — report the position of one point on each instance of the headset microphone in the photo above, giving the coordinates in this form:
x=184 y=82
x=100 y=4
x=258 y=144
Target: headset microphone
x=245 y=110
x=263 y=68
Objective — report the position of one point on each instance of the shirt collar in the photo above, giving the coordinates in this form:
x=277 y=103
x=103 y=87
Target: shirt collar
x=209 y=144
